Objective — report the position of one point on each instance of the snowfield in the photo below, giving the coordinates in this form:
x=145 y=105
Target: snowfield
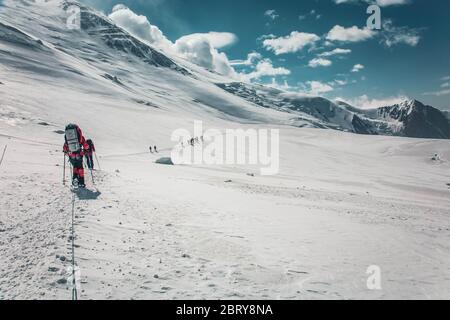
x=340 y=204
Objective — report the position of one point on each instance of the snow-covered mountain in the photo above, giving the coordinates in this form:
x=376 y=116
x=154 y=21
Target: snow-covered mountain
x=107 y=51
x=100 y=27
x=418 y=120
x=410 y=118
x=447 y=114
x=305 y=110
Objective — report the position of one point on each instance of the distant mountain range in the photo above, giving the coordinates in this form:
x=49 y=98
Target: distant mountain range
x=410 y=118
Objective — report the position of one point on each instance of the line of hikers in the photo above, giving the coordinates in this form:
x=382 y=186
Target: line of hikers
x=76 y=147
x=192 y=142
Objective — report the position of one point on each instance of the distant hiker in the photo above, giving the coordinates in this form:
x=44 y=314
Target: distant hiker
x=436 y=157
x=89 y=154
x=151 y=150
x=75 y=147
x=156 y=150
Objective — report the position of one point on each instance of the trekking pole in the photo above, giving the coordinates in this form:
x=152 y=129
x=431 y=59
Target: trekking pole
x=95 y=153
x=92 y=176
x=3 y=155
x=71 y=173
x=64 y=170
x=86 y=163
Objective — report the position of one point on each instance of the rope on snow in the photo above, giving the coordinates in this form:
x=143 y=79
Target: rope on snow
x=3 y=155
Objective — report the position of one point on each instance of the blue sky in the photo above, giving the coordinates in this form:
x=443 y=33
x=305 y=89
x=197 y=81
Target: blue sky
x=292 y=43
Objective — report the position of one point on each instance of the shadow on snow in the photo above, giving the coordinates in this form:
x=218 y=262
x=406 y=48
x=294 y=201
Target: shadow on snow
x=86 y=194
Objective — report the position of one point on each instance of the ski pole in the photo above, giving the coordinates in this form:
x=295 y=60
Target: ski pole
x=92 y=176
x=95 y=153
x=85 y=161
x=64 y=170
x=71 y=170
x=3 y=155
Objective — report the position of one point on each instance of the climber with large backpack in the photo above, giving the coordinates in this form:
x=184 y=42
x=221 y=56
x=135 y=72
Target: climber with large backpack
x=89 y=154
x=75 y=147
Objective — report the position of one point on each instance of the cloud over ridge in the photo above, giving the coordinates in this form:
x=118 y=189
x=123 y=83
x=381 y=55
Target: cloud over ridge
x=199 y=48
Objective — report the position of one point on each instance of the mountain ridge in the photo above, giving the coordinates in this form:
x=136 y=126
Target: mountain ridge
x=410 y=118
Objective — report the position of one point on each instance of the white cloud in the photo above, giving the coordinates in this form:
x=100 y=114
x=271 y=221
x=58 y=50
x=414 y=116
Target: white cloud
x=319 y=62
x=199 y=48
x=352 y=34
x=386 y=3
x=220 y=39
x=357 y=67
x=438 y=93
x=392 y=35
x=139 y=26
x=292 y=43
x=337 y=51
x=445 y=78
x=284 y=87
x=272 y=14
x=381 y=3
x=365 y=102
x=445 y=85
x=317 y=87
x=343 y=1
x=119 y=7
x=312 y=13
x=339 y=82
x=251 y=59
x=203 y=48
x=265 y=68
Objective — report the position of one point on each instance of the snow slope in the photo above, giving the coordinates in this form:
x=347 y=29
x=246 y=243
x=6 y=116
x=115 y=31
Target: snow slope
x=341 y=202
